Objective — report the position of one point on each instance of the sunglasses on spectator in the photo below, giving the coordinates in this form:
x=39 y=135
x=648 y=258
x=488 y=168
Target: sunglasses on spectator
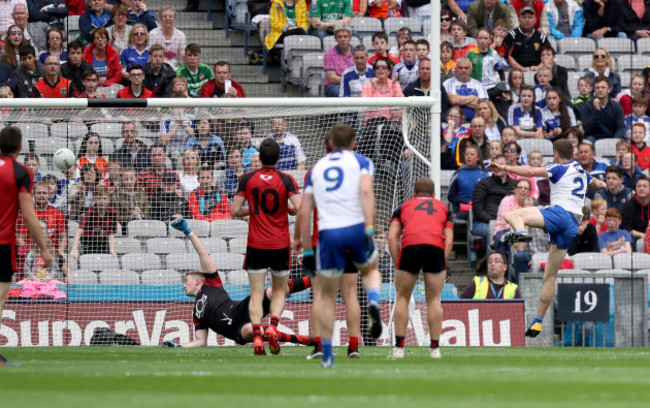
x=139 y=34
x=510 y=150
x=601 y=56
x=443 y=19
x=381 y=67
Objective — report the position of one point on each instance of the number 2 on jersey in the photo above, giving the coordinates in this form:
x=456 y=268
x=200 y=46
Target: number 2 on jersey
x=578 y=191
x=334 y=175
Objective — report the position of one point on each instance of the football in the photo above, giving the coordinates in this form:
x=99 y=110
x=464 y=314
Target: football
x=64 y=159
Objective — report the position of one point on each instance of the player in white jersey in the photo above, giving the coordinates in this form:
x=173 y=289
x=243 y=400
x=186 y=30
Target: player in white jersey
x=340 y=186
x=569 y=182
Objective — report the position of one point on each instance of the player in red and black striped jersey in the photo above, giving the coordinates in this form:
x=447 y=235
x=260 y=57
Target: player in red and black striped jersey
x=214 y=309
x=16 y=182
x=268 y=192
x=424 y=225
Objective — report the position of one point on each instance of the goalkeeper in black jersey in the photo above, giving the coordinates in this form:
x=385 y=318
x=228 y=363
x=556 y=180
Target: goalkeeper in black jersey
x=213 y=308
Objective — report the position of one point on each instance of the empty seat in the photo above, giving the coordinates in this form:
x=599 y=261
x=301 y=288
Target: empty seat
x=70 y=130
x=573 y=83
x=107 y=146
x=643 y=46
x=295 y=47
x=238 y=277
x=184 y=262
x=164 y=246
x=127 y=246
x=313 y=74
x=108 y=129
x=228 y=260
x=32 y=131
x=199 y=227
x=543 y=145
x=577 y=45
x=592 y=261
x=365 y=26
x=238 y=245
x=632 y=63
x=83 y=277
x=634 y=260
x=584 y=62
x=606 y=146
x=161 y=277
x=140 y=261
x=529 y=78
x=392 y=25
x=537 y=260
x=119 y=277
x=426 y=27
x=98 y=262
x=147 y=229
x=211 y=245
x=48 y=145
x=229 y=228
x=566 y=61
x=617 y=46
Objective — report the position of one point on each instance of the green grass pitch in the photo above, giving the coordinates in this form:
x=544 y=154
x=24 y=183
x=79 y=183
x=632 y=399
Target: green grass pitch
x=121 y=377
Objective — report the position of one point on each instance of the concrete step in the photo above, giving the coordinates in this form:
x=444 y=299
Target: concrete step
x=190 y=24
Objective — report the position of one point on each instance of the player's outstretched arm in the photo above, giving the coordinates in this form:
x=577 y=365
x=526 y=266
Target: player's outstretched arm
x=524 y=171
x=207 y=265
x=393 y=240
x=200 y=338
x=237 y=208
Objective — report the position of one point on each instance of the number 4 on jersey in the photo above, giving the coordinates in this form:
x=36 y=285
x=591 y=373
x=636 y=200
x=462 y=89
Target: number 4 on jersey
x=426 y=206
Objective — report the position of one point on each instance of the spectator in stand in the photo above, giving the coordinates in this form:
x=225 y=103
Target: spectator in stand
x=28 y=73
x=464 y=181
x=196 y=72
x=8 y=78
x=54 y=45
x=631 y=172
x=354 y=78
x=337 y=59
x=104 y=59
x=603 y=65
x=543 y=79
x=207 y=202
x=6 y=8
x=380 y=44
x=494 y=285
x=158 y=75
x=189 y=175
x=637 y=88
x=81 y=193
x=97 y=228
x=459 y=8
x=90 y=81
x=90 y=152
x=501 y=98
x=406 y=72
x=516 y=82
x=598 y=209
x=541 y=18
x=421 y=87
x=222 y=83
x=49 y=12
x=170 y=37
x=496 y=149
x=168 y=204
x=383 y=9
x=292 y=157
x=210 y=147
x=512 y=152
x=640 y=149
x=447 y=63
x=638 y=115
x=488 y=66
x=616 y=194
x=260 y=18
x=614 y=240
x=288 y=17
x=509 y=203
x=636 y=212
x=604 y=117
x=229 y=179
x=525 y=117
x=485 y=13
x=136 y=88
x=133 y=153
x=75 y=67
x=501 y=30
x=585 y=97
x=120 y=30
x=508 y=134
x=524 y=251
x=14 y=40
x=493 y=121
x=464 y=91
x=476 y=137
x=137 y=51
x=32 y=161
x=565 y=18
x=586 y=158
x=422 y=49
x=130 y=201
x=326 y=16
x=488 y=195
x=636 y=18
x=140 y=15
x=403 y=35
x=556 y=117
x=52 y=85
x=243 y=135
x=446 y=17
x=179 y=88
x=175 y=131
x=526 y=42
x=96 y=16
x=454 y=130
x=587 y=238
x=559 y=74
x=150 y=178
x=34 y=32
x=462 y=44
x=114 y=176
x=603 y=18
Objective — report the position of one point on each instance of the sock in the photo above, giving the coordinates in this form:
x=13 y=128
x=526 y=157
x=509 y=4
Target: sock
x=318 y=344
x=399 y=341
x=274 y=322
x=327 y=347
x=257 y=330
x=538 y=319
x=373 y=296
x=521 y=232
x=434 y=343
x=354 y=343
x=299 y=284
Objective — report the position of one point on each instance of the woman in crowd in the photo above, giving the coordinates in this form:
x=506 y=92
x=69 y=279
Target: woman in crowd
x=637 y=86
x=494 y=123
x=403 y=35
x=516 y=81
x=556 y=117
x=54 y=45
x=15 y=39
x=190 y=172
x=130 y=201
x=137 y=50
x=90 y=152
x=210 y=147
x=170 y=37
x=80 y=197
x=512 y=151
x=119 y=31
x=103 y=58
x=445 y=25
x=464 y=180
x=603 y=65
x=509 y=203
x=525 y=117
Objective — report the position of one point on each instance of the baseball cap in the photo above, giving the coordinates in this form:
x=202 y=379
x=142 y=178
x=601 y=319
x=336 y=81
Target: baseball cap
x=340 y=27
x=527 y=9
x=502 y=87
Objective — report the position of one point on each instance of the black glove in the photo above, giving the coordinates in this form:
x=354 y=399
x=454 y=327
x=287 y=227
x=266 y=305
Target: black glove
x=309 y=263
x=370 y=242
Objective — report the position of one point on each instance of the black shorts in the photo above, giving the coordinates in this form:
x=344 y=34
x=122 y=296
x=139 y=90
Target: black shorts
x=425 y=258
x=350 y=267
x=7 y=262
x=273 y=259
x=241 y=317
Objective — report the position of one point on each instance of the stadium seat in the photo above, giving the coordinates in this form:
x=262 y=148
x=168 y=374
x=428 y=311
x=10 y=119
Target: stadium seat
x=69 y=130
x=164 y=246
x=199 y=227
x=71 y=24
x=572 y=83
x=626 y=77
x=643 y=46
x=392 y=25
x=606 y=146
x=83 y=277
x=617 y=46
x=584 y=62
x=161 y=277
x=127 y=246
x=119 y=277
x=238 y=245
x=227 y=260
x=566 y=61
x=48 y=145
x=111 y=91
x=329 y=42
x=640 y=245
x=592 y=261
x=107 y=145
x=576 y=46
x=552 y=41
x=237 y=277
x=529 y=77
x=299 y=176
x=426 y=27
x=111 y=130
x=183 y=262
x=615 y=272
x=140 y=261
x=146 y=229
x=211 y=245
x=313 y=74
x=634 y=260
x=32 y=131
x=537 y=260
x=229 y=228
x=73 y=226
x=632 y=63
x=98 y=262
x=367 y=42
x=543 y=145
x=365 y=26
x=295 y=47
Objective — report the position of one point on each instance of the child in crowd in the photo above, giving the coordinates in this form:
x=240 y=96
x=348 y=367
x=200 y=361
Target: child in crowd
x=496 y=149
x=631 y=172
x=130 y=201
x=90 y=152
x=114 y=176
x=535 y=159
x=585 y=96
x=461 y=43
x=598 y=210
x=32 y=161
x=380 y=44
x=196 y=72
x=96 y=233
x=622 y=146
x=614 y=240
x=639 y=106
x=403 y=35
x=639 y=147
x=544 y=77
x=501 y=29
x=52 y=184
x=454 y=129
x=508 y=134
x=422 y=48
x=447 y=63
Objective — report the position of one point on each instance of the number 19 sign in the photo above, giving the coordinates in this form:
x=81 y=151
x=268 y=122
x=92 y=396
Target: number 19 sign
x=583 y=302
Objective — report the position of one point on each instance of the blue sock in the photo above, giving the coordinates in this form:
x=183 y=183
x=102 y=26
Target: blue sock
x=373 y=296
x=521 y=232
x=538 y=319
x=327 y=347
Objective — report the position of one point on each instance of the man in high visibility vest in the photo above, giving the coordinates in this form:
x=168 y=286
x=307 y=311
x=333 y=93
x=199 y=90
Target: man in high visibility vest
x=494 y=285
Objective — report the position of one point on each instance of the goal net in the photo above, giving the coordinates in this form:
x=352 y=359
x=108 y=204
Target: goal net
x=135 y=286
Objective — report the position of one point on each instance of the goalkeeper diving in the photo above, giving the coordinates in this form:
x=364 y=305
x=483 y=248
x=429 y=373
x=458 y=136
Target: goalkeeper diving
x=213 y=307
